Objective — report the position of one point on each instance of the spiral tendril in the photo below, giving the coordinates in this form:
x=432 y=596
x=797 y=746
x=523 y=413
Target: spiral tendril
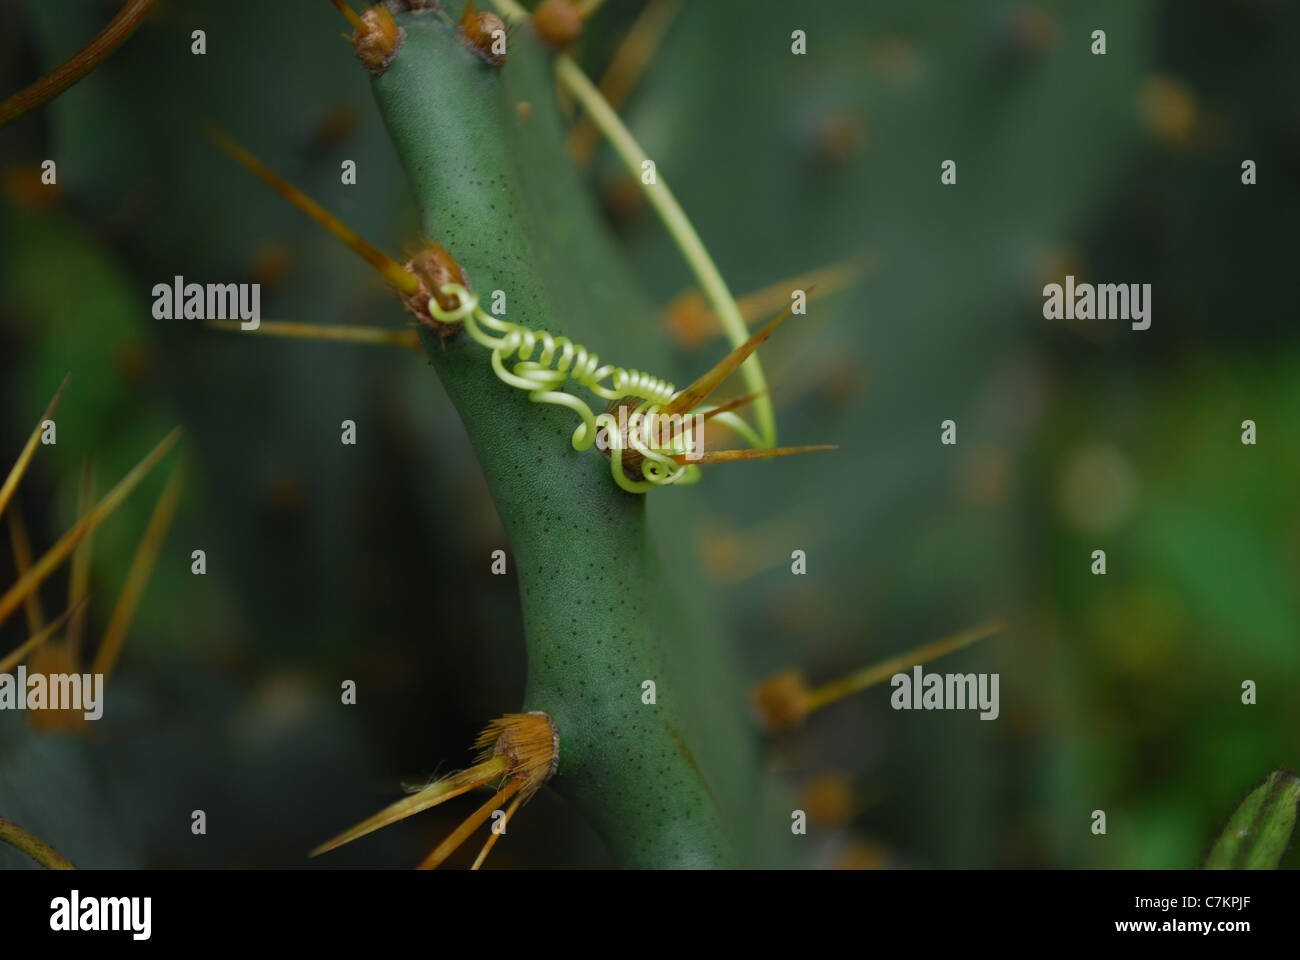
x=562 y=360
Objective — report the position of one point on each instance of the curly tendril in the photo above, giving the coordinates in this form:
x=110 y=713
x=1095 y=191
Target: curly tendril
x=562 y=360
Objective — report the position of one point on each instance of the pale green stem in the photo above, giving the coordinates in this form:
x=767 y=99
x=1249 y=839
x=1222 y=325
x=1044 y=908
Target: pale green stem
x=675 y=220
x=510 y=8
x=688 y=241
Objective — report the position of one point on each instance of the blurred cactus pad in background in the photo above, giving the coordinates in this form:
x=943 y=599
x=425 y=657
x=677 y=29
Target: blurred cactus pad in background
x=1102 y=516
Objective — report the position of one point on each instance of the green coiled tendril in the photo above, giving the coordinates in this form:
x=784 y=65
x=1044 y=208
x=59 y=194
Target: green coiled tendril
x=562 y=360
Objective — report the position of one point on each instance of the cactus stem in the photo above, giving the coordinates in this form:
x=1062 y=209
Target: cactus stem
x=1259 y=831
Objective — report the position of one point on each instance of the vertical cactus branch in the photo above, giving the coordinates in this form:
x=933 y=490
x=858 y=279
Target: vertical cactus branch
x=668 y=780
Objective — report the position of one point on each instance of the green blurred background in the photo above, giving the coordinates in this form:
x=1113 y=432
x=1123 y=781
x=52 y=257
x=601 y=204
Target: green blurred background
x=326 y=563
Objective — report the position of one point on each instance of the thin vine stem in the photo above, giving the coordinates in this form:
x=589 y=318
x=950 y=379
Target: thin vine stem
x=38 y=850
x=683 y=233
x=81 y=63
x=675 y=220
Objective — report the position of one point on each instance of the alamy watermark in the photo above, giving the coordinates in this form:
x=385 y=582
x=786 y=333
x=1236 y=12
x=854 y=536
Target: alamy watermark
x=75 y=913
x=946 y=691
x=179 y=300
x=53 y=691
x=1105 y=301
